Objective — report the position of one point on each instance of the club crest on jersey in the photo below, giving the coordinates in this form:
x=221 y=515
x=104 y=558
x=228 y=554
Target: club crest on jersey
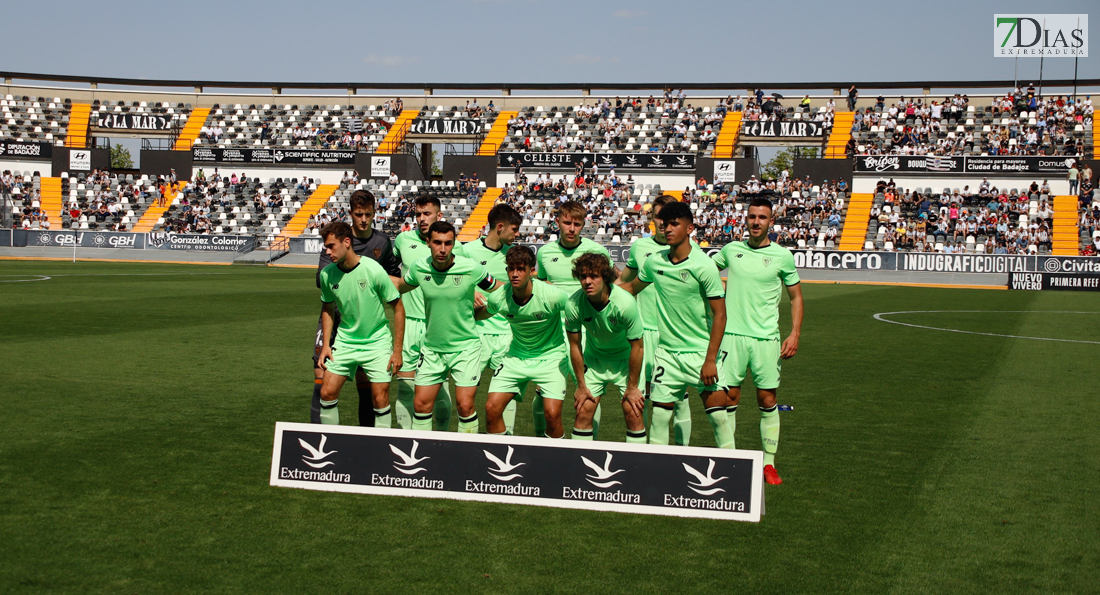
x=767 y=261
x=377 y=253
x=457 y=280
x=539 y=315
x=362 y=284
x=684 y=276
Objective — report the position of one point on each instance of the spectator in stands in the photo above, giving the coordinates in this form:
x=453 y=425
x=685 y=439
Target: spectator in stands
x=853 y=95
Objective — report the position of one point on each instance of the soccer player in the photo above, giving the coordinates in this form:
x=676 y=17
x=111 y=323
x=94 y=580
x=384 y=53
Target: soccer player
x=759 y=269
x=366 y=241
x=555 y=265
x=640 y=251
x=358 y=287
x=411 y=247
x=490 y=252
x=688 y=288
x=451 y=346
x=537 y=352
x=613 y=353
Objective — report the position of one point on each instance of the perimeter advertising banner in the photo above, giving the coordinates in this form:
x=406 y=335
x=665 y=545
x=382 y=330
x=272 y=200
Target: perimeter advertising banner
x=890 y=164
x=710 y=483
x=208 y=243
x=1054 y=281
x=84 y=239
x=20 y=151
x=645 y=161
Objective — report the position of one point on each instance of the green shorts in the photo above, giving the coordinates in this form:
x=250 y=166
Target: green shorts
x=675 y=373
x=346 y=358
x=759 y=356
x=493 y=350
x=599 y=373
x=649 y=356
x=412 y=344
x=548 y=373
x=463 y=366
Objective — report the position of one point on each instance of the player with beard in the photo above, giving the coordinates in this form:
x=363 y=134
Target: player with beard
x=490 y=251
x=759 y=271
x=411 y=247
x=451 y=345
x=372 y=243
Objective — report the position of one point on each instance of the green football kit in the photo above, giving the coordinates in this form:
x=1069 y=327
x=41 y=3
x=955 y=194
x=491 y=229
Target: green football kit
x=610 y=330
x=363 y=338
x=495 y=332
x=537 y=350
x=451 y=344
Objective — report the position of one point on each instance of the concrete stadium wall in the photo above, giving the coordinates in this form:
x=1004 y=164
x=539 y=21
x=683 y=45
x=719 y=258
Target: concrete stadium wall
x=484 y=165
x=866 y=183
x=45 y=168
x=161 y=163
x=323 y=176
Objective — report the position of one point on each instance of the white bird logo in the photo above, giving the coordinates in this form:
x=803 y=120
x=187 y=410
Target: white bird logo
x=704 y=481
x=408 y=460
x=504 y=466
x=318 y=453
x=603 y=473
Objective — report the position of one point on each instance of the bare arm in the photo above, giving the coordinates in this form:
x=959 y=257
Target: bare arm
x=398 y=334
x=400 y=284
x=635 y=286
x=628 y=275
x=633 y=396
x=576 y=358
x=327 y=319
x=717 y=330
x=790 y=345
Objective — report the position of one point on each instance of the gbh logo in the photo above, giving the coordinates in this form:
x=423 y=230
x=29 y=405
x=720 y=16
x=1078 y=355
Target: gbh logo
x=1047 y=35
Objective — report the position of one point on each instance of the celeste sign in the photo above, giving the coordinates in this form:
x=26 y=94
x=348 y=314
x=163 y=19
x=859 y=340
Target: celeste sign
x=681 y=481
x=645 y=161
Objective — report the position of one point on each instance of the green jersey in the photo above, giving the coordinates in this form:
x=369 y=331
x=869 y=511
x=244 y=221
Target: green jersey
x=359 y=295
x=754 y=286
x=493 y=261
x=536 y=325
x=449 y=302
x=555 y=263
x=683 y=291
x=610 y=328
x=641 y=250
x=409 y=248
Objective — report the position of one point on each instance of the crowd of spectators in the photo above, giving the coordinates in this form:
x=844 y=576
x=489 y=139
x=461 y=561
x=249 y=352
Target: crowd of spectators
x=1018 y=123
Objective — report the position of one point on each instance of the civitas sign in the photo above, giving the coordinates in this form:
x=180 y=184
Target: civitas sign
x=604 y=476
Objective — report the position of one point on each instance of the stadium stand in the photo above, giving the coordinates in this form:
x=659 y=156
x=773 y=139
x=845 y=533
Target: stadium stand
x=38 y=119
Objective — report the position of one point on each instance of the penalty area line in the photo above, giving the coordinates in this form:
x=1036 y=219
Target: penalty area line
x=880 y=315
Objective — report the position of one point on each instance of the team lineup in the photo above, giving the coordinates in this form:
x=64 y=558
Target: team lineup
x=668 y=322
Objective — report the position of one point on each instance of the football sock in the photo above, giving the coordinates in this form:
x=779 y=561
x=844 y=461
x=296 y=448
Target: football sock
x=769 y=432
x=422 y=421
x=510 y=417
x=315 y=405
x=538 y=414
x=467 y=425
x=633 y=437
x=579 y=434
x=681 y=422
x=329 y=412
x=658 y=430
x=403 y=408
x=366 y=416
x=731 y=415
x=382 y=418
x=443 y=406
x=723 y=437
x=596 y=422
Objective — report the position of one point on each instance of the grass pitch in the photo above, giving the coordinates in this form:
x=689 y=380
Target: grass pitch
x=139 y=402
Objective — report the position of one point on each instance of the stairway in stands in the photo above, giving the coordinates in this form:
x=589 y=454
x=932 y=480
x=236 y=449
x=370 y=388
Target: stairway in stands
x=191 y=129
x=726 y=143
x=839 y=137
x=1065 y=241
x=854 y=233
x=493 y=140
x=479 y=216
x=396 y=135
x=50 y=200
x=311 y=206
x=77 y=135
x=153 y=214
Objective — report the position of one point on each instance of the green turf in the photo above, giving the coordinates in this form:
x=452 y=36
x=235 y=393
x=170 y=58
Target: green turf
x=138 y=415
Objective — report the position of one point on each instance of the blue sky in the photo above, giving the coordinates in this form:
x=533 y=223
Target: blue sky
x=523 y=41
